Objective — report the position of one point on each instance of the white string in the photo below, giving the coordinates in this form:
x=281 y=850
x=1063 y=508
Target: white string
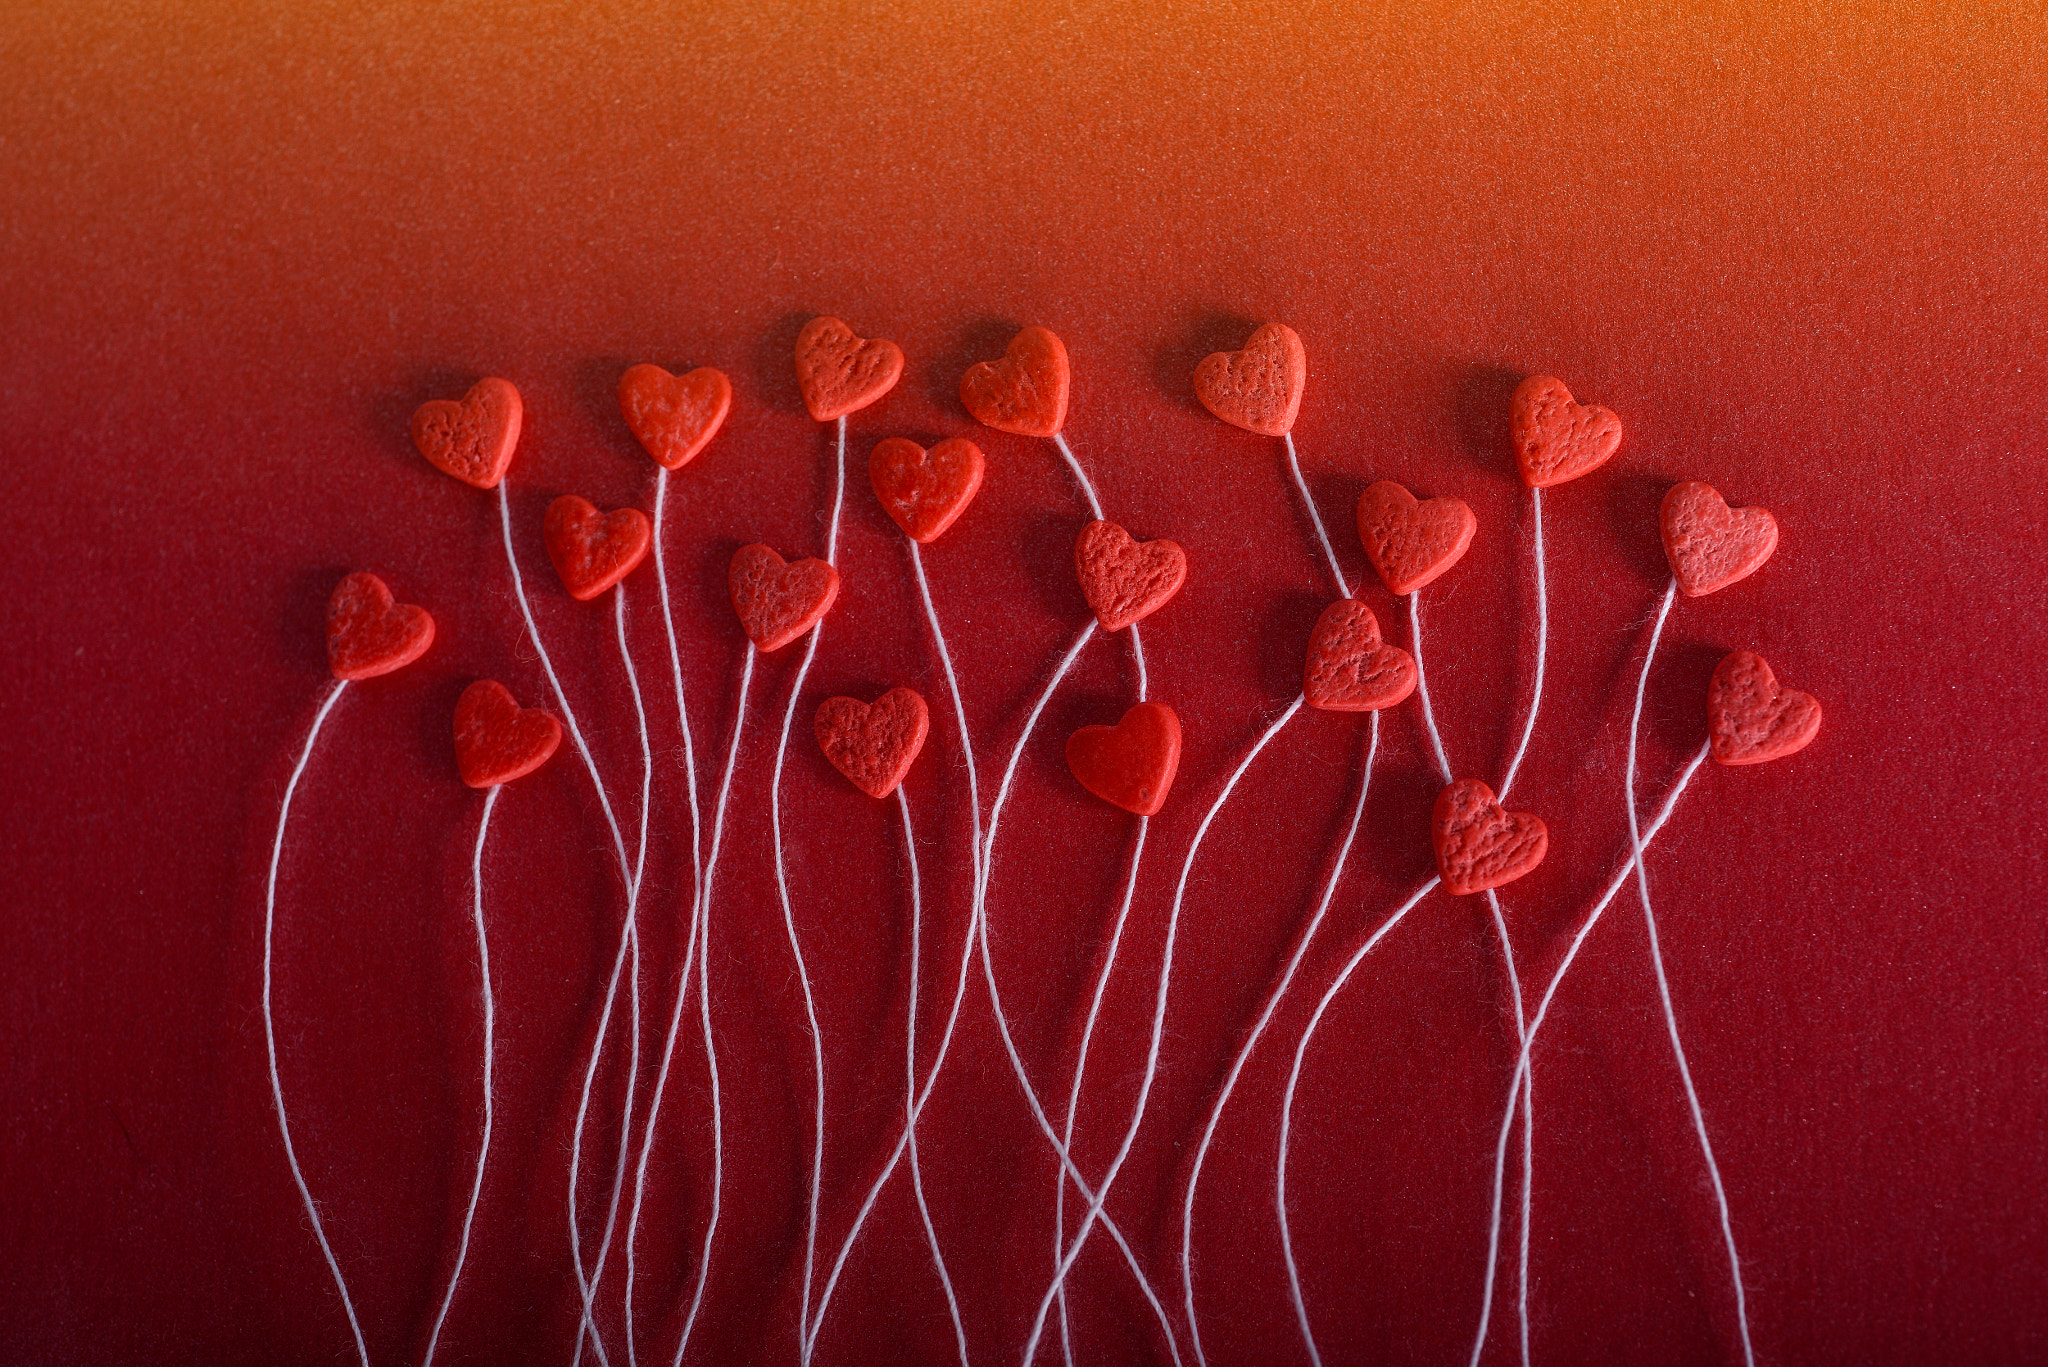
x=1138 y=655
x=1507 y=956
x=1329 y=551
x=1080 y=475
x=270 y=1025
x=1158 y=1026
x=1422 y=681
x=1287 y=1112
x=1542 y=648
x=1244 y=1053
x=910 y=1102
x=483 y=958
x=1692 y=1096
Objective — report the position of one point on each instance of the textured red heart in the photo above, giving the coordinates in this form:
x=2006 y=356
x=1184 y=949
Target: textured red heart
x=1750 y=719
x=777 y=601
x=1349 y=668
x=1126 y=581
x=924 y=491
x=674 y=416
x=593 y=551
x=874 y=744
x=1259 y=388
x=471 y=439
x=497 y=740
x=1026 y=391
x=1556 y=439
x=368 y=633
x=1132 y=763
x=1479 y=844
x=1410 y=541
x=840 y=371
x=1709 y=544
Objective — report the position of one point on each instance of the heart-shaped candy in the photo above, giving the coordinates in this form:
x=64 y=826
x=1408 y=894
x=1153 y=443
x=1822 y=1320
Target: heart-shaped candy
x=1410 y=541
x=778 y=601
x=471 y=439
x=1259 y=388
x=1555 y=439
x=592 y=550
x=1480 y=844
x=924 y=491
x=840 y=371
x=1026 y=391
x=1709 y=544
x=1132 y=763
x=1349 y=668
x=1750 y=719
x=497 y=740
x=874 y=744
x=1126 y=581
x=674 y=416
x=369 y=634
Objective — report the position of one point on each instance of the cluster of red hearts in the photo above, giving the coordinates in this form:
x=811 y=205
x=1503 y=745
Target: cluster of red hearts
x=1411 y=542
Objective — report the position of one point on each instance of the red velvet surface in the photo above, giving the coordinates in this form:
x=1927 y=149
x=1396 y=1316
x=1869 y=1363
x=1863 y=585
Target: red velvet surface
x=1797 y=253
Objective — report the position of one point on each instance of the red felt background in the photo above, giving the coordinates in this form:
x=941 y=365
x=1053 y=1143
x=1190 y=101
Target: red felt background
x=1796 y=248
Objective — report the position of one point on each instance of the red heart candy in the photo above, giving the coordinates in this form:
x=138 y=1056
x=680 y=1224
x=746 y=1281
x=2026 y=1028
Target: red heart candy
x=1126 y=581
x=1259 y=388
x=593 y=551
x=1709 y=544
x=1349 y=668
x=1555 y=439
x=674 y=416
x=1411 y=542
x=1479 y=844
x=471 y=439
x=497 y=740
x=840 y=371
x=1132 y=763
x=777 y=601
x=924 y=491
x=1026 y=391
x=1750 y=719
x=874 y=744
x=368 y=634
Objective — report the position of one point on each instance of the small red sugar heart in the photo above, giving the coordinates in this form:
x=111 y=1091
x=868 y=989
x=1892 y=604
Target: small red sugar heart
x=497 y=740
x=369 y=634
x=840 y=371
x=1709 y=544
x=924 y=491
x=1479 y=844
x=1132 y=763
x=593 y=551
x=1555 y=439
x=1259 y=388
x=1411 y=542
x=874 y=744
x=471 y=439
x=1349 y=668
x=778 y=601
x=674 y=416
x=1126 y=581
x=1026 y=391
x=1750 y=719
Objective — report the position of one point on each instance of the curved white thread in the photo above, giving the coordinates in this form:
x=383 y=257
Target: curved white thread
x=483 y=959
x=1692 y=1096
x=1542 y=648
x=1507 y=956
x=1158 y=1027
x=1422 y=681
x=1244 y=1053
x=1138 y=655
x=1287 y=1111
x=270 y=1025
x=910 y=1102
x=1329 y=551
x=739 y=718
x=1080 y=475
